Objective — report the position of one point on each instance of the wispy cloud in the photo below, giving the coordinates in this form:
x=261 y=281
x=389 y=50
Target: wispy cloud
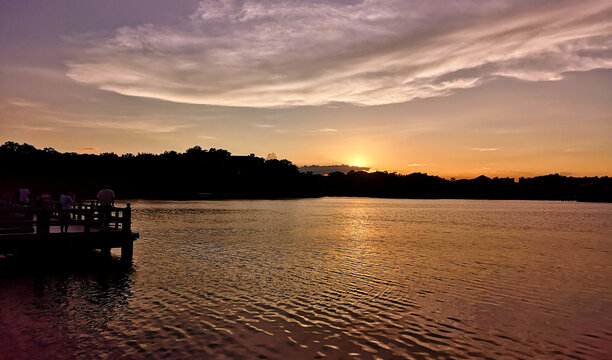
x=324 y=131
x=284 y=53
x=327 y=169
x=32 y=127
x=133 y=126
x=270 y=127
x=23 y=103
x=89 y=149
x=484 y=149
x=55 y=120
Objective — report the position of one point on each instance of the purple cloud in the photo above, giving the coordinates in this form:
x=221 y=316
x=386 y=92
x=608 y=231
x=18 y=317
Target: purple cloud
x=289 y=53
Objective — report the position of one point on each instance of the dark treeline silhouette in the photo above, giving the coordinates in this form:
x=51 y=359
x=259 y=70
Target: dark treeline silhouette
x=215 y=173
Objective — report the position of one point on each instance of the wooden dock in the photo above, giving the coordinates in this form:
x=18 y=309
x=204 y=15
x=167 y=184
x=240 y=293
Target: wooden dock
x=25 y=229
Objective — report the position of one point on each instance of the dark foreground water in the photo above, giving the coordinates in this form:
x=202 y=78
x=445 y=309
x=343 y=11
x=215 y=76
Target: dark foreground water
x=326 y=278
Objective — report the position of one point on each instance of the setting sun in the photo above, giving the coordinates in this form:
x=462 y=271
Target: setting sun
x=358 y=160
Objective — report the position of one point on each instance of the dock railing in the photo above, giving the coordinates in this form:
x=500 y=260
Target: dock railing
x=39 y=228
x=84 y=216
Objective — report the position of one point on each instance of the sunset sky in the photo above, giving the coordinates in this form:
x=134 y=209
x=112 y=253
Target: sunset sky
x=461 y=88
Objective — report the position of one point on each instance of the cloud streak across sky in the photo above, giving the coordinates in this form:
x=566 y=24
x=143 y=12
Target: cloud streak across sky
x=276 y=53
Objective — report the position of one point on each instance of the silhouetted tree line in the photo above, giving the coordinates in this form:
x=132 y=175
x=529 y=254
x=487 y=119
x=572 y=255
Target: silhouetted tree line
x=215 y=173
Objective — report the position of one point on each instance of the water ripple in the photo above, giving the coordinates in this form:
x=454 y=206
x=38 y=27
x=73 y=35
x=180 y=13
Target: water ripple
x=332 y=279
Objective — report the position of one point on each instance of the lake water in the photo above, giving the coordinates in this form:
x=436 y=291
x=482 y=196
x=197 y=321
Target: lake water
x=349 y=278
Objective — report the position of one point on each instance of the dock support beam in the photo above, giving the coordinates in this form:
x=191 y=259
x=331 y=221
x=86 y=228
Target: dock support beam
x=127 y=251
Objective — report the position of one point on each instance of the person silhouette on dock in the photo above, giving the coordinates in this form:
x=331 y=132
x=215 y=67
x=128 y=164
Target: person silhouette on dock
x=66 y=201
x=105 y=202
x=24 y=196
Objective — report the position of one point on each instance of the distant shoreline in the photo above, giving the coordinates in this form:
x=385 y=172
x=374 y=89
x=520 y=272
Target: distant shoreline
x=217 y=174
x=229 y=198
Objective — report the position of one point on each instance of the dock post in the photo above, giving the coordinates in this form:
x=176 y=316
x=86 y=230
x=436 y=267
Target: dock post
x=127 y=248
x=88 y=217
x=127 y=218
x=43 y=219
x=127 y=251
x=29 y=217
